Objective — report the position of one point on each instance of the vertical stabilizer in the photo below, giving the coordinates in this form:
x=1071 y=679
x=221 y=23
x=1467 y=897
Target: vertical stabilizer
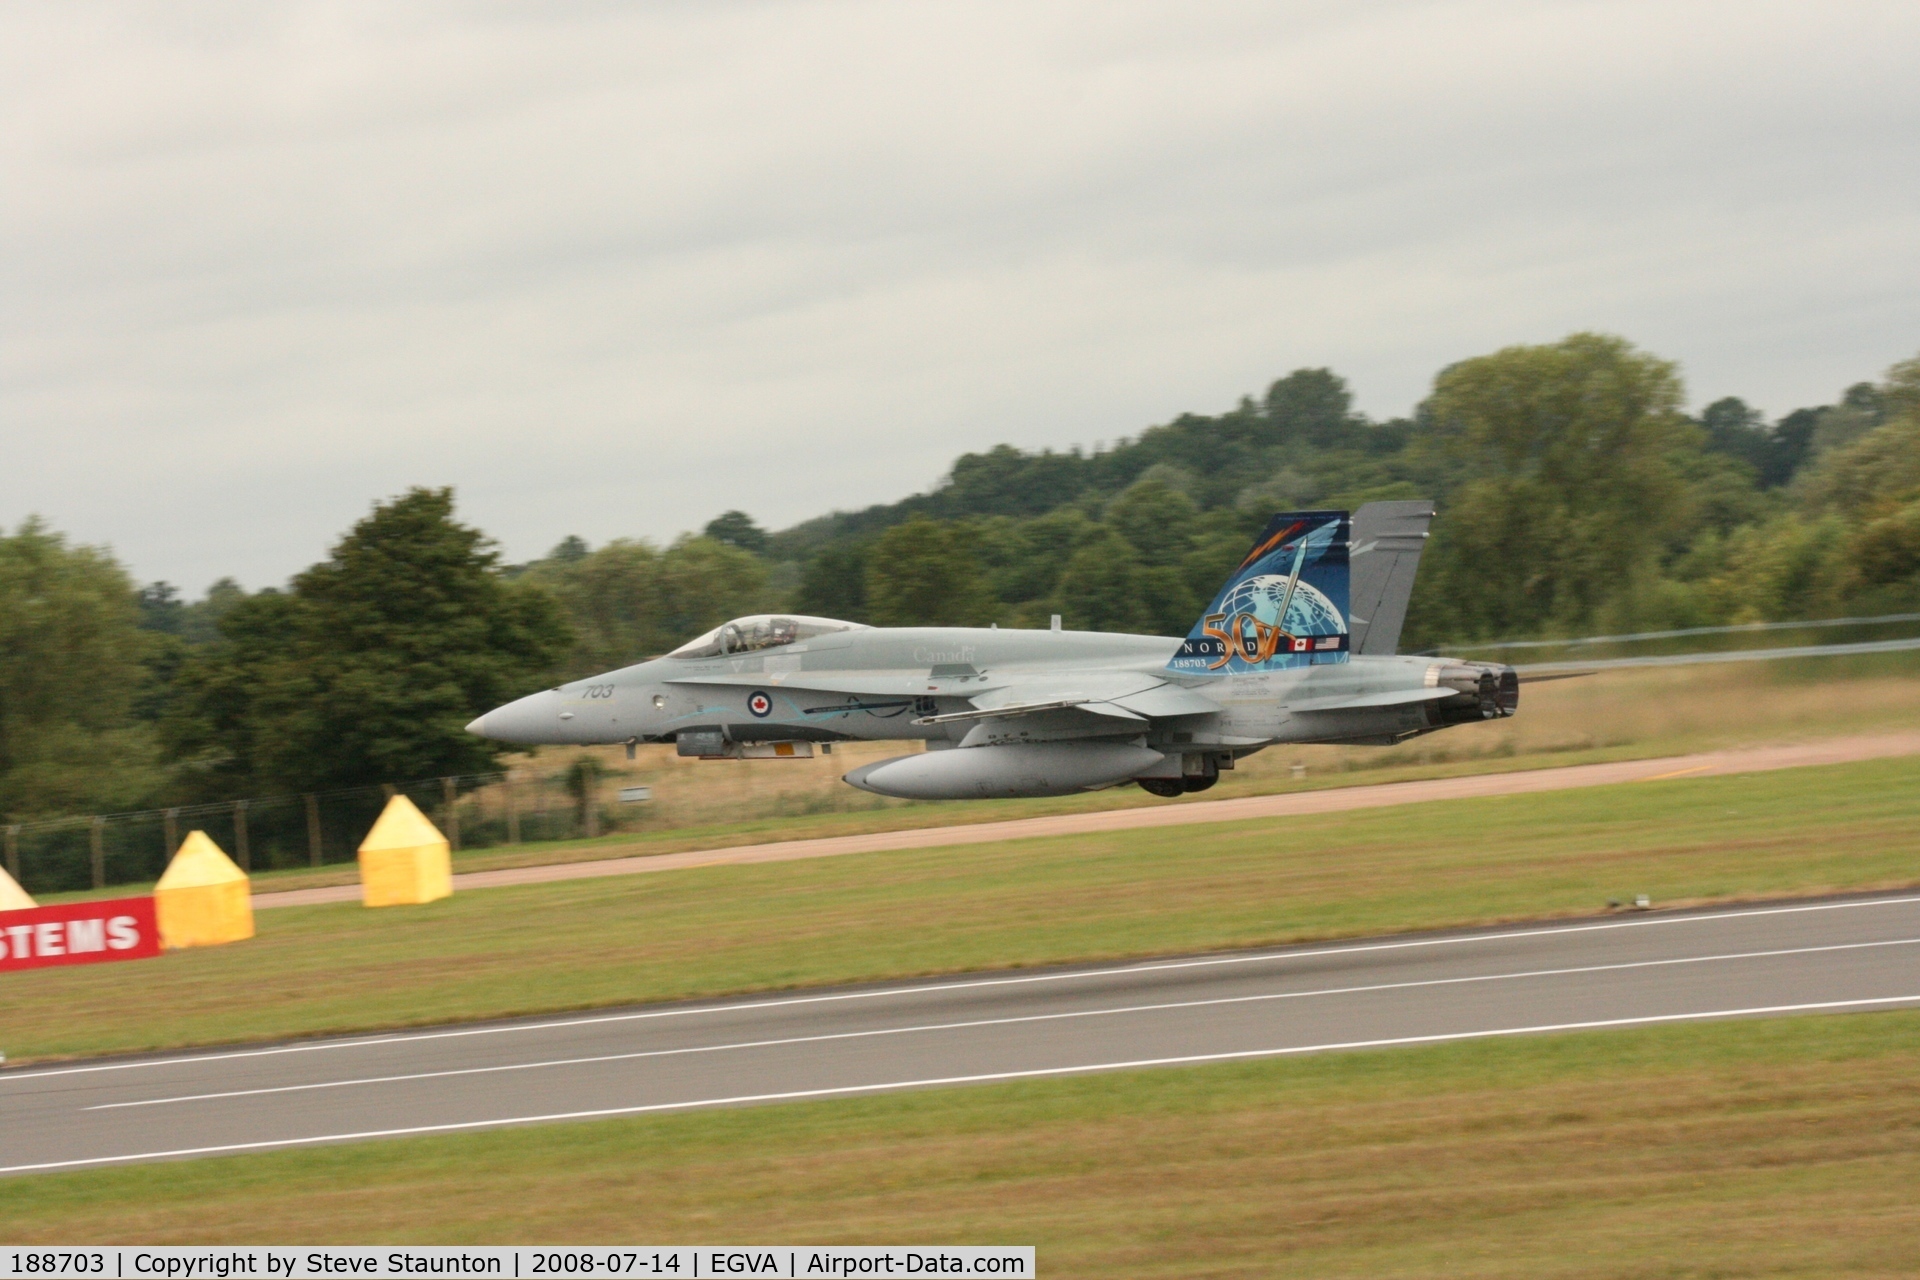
x=1387 y=540
x=1284 y=606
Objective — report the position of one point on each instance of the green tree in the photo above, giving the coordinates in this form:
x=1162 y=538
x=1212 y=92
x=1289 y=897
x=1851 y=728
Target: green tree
x=1878 y=471
x=369 y=668
x=1220 y=539
x=1025 y=558
x=71 y=669
x=928 y=573
x=737 y=529
x=1574 y=457
x=834 y=583
x=1108 y=586
x=1311 y=406
x=1860 y=410
x=1874 y=483
x=612 y=599
x=1158 y=521
x=1734 y=429
x=628 y=601
x=1099 y=587
x=1886 y=553
x=1899 y=395
x=1005 y=481
x=702 y=584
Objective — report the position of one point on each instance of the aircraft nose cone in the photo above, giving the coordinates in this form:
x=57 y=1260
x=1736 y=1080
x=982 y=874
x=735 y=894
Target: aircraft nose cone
x=477 y=726
x=532 y=719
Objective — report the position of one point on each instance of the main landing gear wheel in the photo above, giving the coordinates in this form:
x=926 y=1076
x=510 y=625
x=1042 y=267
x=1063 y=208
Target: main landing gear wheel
x=1167 y=788
x=1199 y=784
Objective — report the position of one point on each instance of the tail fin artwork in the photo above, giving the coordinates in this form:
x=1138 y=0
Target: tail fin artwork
x=1387 y=540
x=1284 y=606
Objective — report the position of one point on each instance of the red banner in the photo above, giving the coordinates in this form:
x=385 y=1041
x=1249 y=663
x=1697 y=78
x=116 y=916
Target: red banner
x=78 y=933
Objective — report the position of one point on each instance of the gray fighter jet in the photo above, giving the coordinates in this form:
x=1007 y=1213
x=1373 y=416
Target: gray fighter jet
x=1298 y=646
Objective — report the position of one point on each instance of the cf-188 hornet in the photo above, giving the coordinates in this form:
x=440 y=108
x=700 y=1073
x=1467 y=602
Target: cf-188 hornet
x=1298 y=646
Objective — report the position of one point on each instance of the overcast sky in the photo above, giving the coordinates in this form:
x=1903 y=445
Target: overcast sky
x=611 y=269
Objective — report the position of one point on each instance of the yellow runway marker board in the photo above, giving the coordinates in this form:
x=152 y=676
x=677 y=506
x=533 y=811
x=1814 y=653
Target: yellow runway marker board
x=404 y=859
x=12 y=896
x=203 y=900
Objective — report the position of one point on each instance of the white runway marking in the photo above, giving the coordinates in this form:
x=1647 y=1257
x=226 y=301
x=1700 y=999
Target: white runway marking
x=1000 y=1022
x=989 y=1077
x=885 y=993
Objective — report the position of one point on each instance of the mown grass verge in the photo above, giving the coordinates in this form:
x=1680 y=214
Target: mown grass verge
x=718 y=930
x=1783 y=1147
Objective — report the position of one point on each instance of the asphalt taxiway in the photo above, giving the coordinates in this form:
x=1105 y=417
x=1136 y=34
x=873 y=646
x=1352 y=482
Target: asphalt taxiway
x=1855 y=954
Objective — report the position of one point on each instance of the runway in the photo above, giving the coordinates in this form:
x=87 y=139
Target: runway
x=1636 y=970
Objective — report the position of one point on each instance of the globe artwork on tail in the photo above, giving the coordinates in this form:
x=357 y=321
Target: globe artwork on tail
x=1284 y=606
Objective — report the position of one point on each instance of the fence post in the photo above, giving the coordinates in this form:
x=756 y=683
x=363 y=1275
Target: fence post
x=13 y=851
x=313 y=829
x=449 y=815
x=95 y=838
x=172 y=820
x=242 y=856
x=513 y=812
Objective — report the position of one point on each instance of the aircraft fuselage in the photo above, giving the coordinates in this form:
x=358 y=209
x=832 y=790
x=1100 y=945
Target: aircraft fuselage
x=887 y=683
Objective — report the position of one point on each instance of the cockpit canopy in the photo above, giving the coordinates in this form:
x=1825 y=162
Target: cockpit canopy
x=761 y=631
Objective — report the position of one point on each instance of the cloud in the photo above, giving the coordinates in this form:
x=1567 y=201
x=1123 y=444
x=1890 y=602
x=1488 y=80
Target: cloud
x=612 y=269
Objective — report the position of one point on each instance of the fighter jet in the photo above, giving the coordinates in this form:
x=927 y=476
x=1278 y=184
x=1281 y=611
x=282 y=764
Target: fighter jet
x=1298 y=646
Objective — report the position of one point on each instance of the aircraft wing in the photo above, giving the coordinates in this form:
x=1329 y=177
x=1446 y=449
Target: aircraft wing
x=1122 y=696
x=1016 y=709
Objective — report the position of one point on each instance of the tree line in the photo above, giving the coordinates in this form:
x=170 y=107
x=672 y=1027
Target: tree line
x=1576 y=496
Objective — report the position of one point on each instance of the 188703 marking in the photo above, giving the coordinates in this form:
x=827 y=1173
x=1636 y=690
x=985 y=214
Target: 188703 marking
x=59 y=1264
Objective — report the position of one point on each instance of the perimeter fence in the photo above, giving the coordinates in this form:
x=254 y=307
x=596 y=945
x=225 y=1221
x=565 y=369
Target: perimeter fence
x=271 y=833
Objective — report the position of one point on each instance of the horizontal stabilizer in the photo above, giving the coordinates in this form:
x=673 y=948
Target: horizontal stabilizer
x=1168 y=700
x=1393 y=698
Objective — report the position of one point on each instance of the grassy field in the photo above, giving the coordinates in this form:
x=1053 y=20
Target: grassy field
x=1788 y=1147
x=1613 y=716
x=716 y=930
